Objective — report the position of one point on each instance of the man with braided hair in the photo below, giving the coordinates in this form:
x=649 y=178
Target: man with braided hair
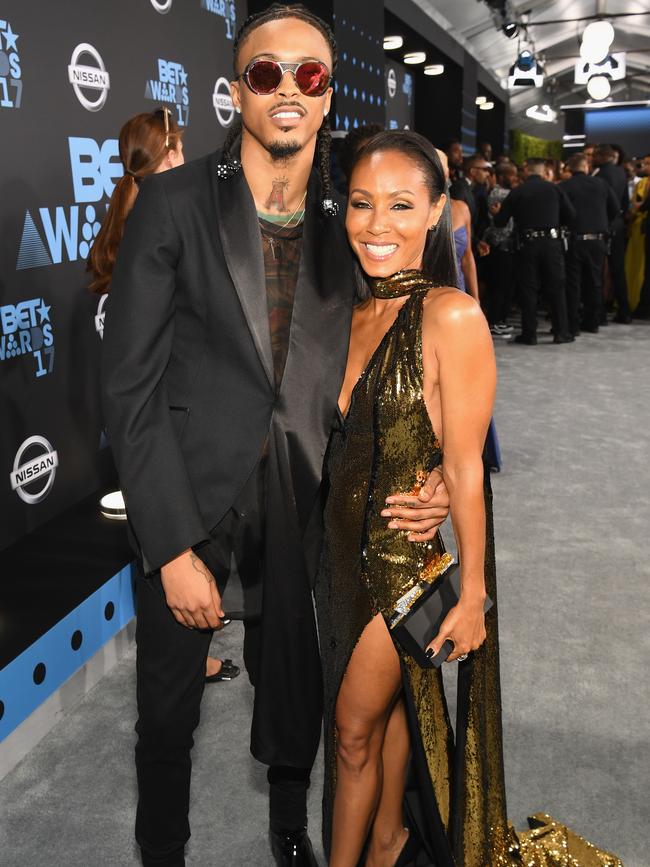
x=224 y=350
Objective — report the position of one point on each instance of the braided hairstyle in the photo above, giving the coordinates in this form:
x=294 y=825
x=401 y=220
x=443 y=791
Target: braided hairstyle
x=276 y=12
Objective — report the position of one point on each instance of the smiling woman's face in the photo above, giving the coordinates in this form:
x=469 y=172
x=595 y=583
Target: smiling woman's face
x=285 y=119
x=389 y=213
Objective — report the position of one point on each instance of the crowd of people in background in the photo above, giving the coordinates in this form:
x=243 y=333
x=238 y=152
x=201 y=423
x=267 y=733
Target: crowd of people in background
x=571 y=240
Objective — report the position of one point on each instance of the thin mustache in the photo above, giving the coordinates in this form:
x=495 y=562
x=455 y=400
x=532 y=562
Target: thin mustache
x=288 y=105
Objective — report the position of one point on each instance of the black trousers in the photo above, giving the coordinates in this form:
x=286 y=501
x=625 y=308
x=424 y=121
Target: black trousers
x=540 y=268
x=500 y=281
x=617 y=267
x=584 y=283
x=170 y=680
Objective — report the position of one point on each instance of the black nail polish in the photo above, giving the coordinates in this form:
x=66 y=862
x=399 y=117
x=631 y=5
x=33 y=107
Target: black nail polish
x=430 y=652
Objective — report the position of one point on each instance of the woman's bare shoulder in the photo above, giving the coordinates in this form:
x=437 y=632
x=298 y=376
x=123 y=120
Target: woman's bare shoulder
x=445 y=301
x=448 y=309
x=460 y=206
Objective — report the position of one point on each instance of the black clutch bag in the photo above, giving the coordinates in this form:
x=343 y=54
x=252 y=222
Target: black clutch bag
x=420 y=612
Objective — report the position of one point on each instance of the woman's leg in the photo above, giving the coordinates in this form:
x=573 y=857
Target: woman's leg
x=388 y=835
x=367 y=695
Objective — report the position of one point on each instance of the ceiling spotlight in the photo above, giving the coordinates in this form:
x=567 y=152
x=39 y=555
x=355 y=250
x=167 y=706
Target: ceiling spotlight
x=511 y=29
x=434 y=69
x=480 y=100
x=596 y=41
x=486 y=106
x=613 y=66
x=526 y=71
x=526 y=60
x=414 y=57
x=598 y=87
x=599 y=31
x=392 y=42
x=593 y=52
x=542 y=113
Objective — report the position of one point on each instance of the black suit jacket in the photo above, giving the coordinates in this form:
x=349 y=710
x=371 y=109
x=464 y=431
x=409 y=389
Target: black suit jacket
x=615 y=177
x=536 y=204
x=595 y=203
x=188 y=383
x=190 y=401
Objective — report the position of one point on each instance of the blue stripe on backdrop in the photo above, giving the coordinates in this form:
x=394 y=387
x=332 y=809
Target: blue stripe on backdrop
x=40 y=670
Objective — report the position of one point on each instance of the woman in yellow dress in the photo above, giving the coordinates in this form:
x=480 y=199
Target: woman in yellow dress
x=635 y=251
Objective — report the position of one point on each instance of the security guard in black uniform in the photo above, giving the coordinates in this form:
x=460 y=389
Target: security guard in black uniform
x=539 y=208
x=612 y=174
x=596 y=208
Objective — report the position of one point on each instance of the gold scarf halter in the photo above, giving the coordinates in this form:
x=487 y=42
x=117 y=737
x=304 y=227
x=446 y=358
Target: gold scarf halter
x=402 y=283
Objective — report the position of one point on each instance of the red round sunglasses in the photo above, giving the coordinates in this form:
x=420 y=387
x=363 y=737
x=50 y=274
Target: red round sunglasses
x=264 y=76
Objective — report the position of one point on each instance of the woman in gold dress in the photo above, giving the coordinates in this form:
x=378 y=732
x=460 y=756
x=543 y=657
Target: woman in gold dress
x=419 y=384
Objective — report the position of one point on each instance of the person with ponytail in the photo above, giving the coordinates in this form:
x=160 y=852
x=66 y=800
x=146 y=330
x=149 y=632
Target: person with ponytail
x=223 y=355
x=149 y=143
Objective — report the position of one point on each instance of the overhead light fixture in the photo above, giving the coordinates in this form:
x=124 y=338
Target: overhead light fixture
x=434 y=69
x=414 y=57
x=526 y=71
x=596 y=41
x=526 y=60
x=543 y=113
x=480 y=100
x=613 y=66
x=598 y=87
x=486 y=106
x=393 y=42
x=511 y=29
x=112 y=506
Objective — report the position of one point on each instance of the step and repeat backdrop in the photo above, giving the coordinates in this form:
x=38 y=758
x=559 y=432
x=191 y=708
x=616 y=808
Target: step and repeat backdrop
x=71 y=73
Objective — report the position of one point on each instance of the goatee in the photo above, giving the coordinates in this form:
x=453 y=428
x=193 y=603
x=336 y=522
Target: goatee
x=283 y=150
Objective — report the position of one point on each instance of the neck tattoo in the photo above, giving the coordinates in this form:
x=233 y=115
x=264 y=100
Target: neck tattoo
x=276 y=200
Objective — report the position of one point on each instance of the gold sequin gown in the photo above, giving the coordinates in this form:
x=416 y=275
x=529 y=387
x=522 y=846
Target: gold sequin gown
x=455 y=797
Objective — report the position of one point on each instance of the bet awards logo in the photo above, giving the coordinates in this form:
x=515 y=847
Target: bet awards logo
x=68 y=231
x=224 y=9
x=222 y=102
x=162 y=6
x=11 y=85
x=171 y=87
x=90 y=83
x=34 y=470
x=27 y=330
x=100 y=316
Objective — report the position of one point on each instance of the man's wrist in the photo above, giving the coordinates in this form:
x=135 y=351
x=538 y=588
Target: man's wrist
x=200 y=567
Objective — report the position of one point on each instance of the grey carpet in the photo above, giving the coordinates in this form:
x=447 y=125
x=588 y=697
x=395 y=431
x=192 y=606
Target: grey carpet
x=572 y=518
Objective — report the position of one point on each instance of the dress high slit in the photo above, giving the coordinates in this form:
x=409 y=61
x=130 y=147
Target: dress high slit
x=455 y=800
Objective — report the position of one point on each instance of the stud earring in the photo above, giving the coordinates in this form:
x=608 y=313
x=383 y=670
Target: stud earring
x=238 y=109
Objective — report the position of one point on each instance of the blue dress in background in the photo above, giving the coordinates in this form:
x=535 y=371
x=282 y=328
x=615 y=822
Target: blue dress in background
x=460 y=241
x=492 y=450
